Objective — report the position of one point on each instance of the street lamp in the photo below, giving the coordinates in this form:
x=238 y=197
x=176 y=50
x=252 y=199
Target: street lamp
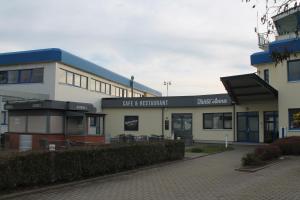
x=131 y=84
x=167 y=83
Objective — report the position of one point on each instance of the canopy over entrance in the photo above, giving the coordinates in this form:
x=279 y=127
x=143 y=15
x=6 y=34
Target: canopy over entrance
x=248 y=87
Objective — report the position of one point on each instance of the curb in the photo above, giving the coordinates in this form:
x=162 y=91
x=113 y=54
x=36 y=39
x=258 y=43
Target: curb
x=255 y=169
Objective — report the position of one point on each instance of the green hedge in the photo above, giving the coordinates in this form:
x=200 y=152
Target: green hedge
x=41 y=168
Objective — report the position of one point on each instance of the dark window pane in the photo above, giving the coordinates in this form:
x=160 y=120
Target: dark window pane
x=208 y=121
x=3 y=77
x=266 y=75
x=131 y=123
x=13 y=76
x=25 y=76
x=37 y=75
x=84 y=82
x=92 y=121
x=70 y=78
x=294 y=71
x=294 y=115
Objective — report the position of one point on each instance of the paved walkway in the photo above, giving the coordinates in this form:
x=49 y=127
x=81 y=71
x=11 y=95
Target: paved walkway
x=210 y=177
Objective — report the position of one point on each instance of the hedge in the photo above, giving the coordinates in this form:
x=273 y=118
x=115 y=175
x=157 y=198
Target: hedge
x=42 y=168
x=284 y=146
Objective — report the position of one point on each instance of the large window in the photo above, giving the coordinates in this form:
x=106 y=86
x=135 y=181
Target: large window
x=22 y=76
x=294 y=70
x=217 y=120
x=294 y=119
x=131 y=123
x=74 y=79
x=99 y=86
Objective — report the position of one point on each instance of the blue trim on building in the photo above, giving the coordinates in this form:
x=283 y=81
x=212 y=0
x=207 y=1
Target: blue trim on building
x=58 y=55
x=290 y=45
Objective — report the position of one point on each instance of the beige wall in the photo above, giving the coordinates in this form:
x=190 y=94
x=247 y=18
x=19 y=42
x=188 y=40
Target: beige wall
x=150 y=120
x=288 y=92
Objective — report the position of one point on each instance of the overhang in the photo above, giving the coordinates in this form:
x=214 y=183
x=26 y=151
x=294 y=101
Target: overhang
x=248 y=87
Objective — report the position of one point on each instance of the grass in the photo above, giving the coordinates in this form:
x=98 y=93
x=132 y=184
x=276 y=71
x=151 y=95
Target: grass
x=208 y=148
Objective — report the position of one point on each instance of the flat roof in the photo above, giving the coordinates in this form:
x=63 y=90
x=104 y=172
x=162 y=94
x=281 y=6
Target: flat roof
x=61 y=56
x=168 y=102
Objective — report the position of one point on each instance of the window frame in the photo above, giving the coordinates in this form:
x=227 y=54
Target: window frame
x=137 y=126
x=222 y=114
x=290 y=117
x=288 y=70
x=4 y=122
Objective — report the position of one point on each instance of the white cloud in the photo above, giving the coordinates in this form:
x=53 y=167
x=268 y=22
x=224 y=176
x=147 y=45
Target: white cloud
x=191 y=42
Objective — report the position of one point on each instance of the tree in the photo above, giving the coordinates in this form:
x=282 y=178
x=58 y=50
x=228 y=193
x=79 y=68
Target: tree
x=269 y=8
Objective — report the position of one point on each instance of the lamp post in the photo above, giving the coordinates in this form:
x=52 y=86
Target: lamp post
x=167 y=83
x=131 y=84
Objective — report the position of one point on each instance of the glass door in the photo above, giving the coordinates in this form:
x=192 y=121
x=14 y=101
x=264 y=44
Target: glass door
x=247 y=127
x=182 y=127
x=270 y=126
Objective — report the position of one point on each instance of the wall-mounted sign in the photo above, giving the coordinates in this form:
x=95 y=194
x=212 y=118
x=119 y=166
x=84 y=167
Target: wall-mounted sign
x=167 y=102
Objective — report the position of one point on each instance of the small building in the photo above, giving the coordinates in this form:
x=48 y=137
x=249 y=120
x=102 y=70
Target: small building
x=34 y=124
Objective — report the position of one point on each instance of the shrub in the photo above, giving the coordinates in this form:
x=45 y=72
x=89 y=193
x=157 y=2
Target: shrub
x=289 y=146
x=40 y=168
x=251 y=159
x=266 y=153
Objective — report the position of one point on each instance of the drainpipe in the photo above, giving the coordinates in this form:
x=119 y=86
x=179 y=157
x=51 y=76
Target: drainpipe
x=162 y=122
x=234 y=123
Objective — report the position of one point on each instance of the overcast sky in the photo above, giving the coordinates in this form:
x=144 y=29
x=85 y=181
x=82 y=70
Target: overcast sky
x=188 y=42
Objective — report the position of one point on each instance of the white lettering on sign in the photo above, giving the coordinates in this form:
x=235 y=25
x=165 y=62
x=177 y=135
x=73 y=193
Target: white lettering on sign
x=79 y=107
x=36 y=105
x=211 y=101
x=145 y=103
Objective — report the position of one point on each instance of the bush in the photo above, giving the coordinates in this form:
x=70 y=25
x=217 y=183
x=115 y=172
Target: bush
x=251 y=159
x=40 y=168
x=289 y=146
x=266 y=153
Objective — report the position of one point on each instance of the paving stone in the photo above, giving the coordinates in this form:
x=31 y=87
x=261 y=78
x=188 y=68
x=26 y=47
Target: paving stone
x=211 y=177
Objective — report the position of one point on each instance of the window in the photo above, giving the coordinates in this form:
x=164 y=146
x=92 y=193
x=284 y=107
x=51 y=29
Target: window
x=70 y=78
x=93 y=85
x=131 y=123
x=103 y=87
x=13 y=76
x=77 y=80
x=294 y=119
x=3 y=118
x=167 y=124
x=117 y=91
x=3 y=77
x=84 y=82
x=25 y=76
x=62 y=76
x=37 y=75
x=22 y=76
x=217 y=121
x=98 y=86
x=294 y=70
x=266 y=75
x=113 y=90
x=107 y=88
x=92 y=121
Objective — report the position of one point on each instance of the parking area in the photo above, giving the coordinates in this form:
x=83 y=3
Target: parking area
x=210 y=177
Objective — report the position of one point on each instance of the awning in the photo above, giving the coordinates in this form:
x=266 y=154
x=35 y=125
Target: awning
x=248 y=87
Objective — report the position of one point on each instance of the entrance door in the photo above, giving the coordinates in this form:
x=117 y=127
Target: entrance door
x=182 y=127
x=270 y=126
x=247 y=127
x=25 y=142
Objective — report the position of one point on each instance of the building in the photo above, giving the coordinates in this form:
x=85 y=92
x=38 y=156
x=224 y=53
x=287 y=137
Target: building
x=258 y=107
x=54 y=74
x=262 y=106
